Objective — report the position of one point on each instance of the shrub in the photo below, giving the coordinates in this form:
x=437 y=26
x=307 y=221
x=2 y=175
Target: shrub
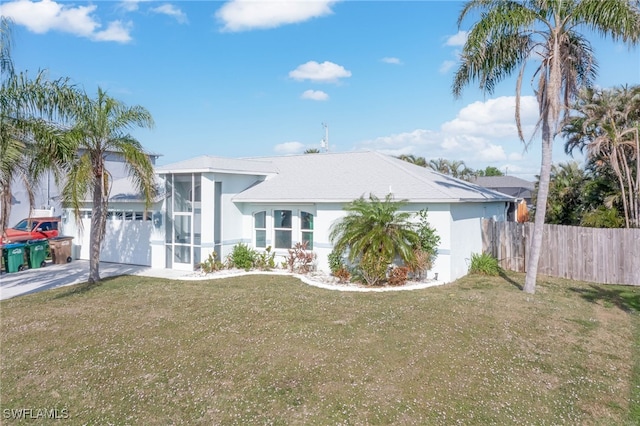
x=335 y=260
x=265 y=260
x=242 y=257
x=373 y=268
x=343 y=275
x=428 y=243
x=211 y=263
x=300 y=260
x=398 y=276
x=484 y=264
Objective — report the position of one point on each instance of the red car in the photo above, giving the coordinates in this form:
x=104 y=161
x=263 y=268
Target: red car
x=34 y=228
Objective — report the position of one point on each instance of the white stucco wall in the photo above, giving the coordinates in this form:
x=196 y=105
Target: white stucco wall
x=466 y=236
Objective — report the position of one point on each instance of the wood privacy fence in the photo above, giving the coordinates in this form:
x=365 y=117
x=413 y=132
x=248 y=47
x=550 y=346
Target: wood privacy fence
x=607 y=256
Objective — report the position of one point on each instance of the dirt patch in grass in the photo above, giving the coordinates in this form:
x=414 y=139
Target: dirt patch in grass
x=272 y=350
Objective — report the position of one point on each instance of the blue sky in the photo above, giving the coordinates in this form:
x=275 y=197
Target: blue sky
x=250 y=79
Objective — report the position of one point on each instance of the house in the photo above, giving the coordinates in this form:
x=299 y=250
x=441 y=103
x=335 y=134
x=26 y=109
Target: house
x=520 y=189
x=210 y=204
x=46 y=192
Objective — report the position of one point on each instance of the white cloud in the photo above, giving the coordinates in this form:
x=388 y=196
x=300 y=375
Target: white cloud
x=446 y=66
x=458 y=39
x=481 y=134
x=494 y=117
x=315 y=95
x=394 y=61
x=244 y=15
x=173 y=11
x=46 y=15
x=289 y=148
x=326 y=72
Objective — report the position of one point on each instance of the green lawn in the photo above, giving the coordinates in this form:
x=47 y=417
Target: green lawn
x=272 y=350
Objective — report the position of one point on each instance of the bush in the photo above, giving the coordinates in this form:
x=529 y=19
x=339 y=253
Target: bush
x=373 y=268
x=398 y=276
x=211 y=263
x=428 y=239
x=335 y=259
x=300 y=260
x=242 y=257
x=265 y=260
x=484 y=264
x=343 y=275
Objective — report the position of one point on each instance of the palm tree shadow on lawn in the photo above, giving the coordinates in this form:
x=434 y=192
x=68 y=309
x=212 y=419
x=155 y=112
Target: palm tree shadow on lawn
x=86 y=287
x=627 y=299
x=510 y=280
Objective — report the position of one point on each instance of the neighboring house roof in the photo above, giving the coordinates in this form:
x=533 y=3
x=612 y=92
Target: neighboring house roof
x=208 y=163
x=343 y=177
x=510 y=185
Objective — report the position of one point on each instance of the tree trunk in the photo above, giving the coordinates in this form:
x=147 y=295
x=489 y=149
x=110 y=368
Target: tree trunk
x=541 y=209
x=549 y=103
x=98 y=219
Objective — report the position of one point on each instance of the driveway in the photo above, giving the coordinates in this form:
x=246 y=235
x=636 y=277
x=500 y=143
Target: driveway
x=53 y=276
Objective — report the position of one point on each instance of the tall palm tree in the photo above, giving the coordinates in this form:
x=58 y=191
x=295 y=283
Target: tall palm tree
x=607 y=126
x=509 y=34
x=100 y=128
x=31 y=110
x=375 y=232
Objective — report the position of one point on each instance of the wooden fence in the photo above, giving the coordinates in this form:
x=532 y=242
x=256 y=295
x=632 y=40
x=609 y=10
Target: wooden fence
x=607 y=256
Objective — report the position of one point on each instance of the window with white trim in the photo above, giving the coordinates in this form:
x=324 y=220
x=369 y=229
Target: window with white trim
x=260 y=226
x=306 y=229
x=282 y=229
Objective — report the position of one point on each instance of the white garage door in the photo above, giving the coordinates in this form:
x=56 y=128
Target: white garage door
x=127 y=239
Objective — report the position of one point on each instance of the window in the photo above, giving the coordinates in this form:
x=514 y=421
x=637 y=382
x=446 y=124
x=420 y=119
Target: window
x=128 y=215
x=282 y=228
x=260 y=225
x=306 y=229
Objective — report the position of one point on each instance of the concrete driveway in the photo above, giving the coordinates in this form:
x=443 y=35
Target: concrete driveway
x=53 y=276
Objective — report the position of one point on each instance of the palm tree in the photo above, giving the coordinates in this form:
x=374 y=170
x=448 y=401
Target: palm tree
x=374 y=233
x=30 y=136
x=564 y=203
x=509 y=34
x=99 y=129
x=312 y=151
x=607 y=127
x=440 y=165
x=418 y=161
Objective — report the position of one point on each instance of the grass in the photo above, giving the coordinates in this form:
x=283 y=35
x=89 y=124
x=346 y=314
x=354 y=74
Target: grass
x=271 y=350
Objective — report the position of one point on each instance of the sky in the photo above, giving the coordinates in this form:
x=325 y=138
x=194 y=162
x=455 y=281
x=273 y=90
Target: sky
x=245 y=78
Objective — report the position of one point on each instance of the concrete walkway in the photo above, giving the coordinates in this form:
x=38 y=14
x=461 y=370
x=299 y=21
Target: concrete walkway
x=76 y=272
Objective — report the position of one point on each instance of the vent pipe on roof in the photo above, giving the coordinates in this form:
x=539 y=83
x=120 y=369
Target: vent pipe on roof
x=324 y=143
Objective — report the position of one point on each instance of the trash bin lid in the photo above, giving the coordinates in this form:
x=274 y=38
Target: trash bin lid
x=14 y=245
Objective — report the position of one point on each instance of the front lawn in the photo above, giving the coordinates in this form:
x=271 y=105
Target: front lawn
x=272 y=350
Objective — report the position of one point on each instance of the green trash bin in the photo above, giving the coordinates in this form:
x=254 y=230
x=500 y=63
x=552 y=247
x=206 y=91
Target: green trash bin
x=14 y=257
x=37 y=253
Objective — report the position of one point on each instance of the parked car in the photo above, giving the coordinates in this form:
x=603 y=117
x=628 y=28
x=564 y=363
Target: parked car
x=34 y=228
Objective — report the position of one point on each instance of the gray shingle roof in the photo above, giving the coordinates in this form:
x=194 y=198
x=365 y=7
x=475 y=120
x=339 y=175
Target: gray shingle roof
x=343 y=177
x=510 y=185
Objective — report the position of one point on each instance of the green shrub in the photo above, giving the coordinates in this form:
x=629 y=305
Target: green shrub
x=265 y=260
x=484 y=264
x=335 y=260
x=242 y=257
x=211 y=263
